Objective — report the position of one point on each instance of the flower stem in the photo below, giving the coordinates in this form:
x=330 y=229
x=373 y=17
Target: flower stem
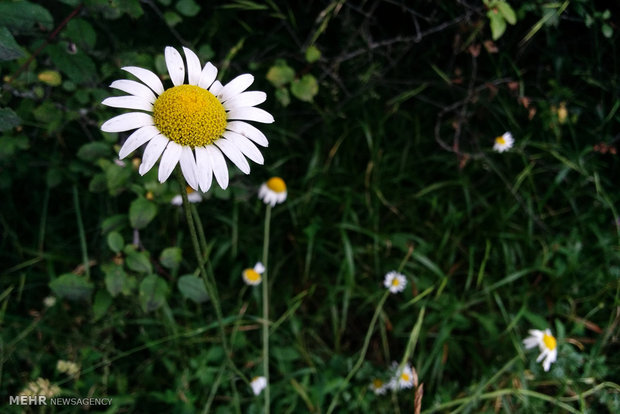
x=209 y=283
x=360 y=360
x=266 y=307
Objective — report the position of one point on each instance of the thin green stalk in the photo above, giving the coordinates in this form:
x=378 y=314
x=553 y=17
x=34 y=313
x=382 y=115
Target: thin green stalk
x=80 y=224
x=211 y=288
x=266 y=307
x=362 y=356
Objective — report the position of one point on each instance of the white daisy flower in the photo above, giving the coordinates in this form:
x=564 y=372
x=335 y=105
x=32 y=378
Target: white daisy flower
x=273 y=191
x=395 y=282
x=258 y=384
x=504 y=142
x=378 y=387
x=192 y=197
x=194 y=124
x=546 y=343
x=406 y=377
x=253 y=276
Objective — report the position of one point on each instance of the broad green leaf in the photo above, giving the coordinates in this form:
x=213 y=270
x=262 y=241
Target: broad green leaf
x=507 y=11
x=9 y=49
x=8 y=119
x=172 y=18
x=78 y=67
x=24 y=15
x=116 y=177
x=115 y=279
x=80 y=32
x=312 y=54
x=72 y=287
x=498 y=24
x=139 y=262
x=10 y=145
x=170 y=257
x=114 y=222
x=115 y=241
x=188 y=8
x=153 y=290
x=141 y=213
x=305 y=88
x=101 y=305
x=280 y=74
x=97 y=184
x=607 y=30
x=93 y=151
x=283 y=96
x=193 y=288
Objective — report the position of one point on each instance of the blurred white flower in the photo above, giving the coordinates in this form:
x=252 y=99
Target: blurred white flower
x=273 y=191
x=253 y=276
x=395 y=282
x=546 y=343
x=258 y=384
x=504 y=142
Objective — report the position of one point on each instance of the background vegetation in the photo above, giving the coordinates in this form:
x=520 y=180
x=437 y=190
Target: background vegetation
x=386 y=111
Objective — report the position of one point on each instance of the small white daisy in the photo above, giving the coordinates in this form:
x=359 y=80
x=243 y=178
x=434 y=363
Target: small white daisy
x=194 y=124
x=253 y=276
x=192 y=197
x=504 y=142
x=407 y=377
x=258 y=384
x=273 y=191
x=546 y=343
x=395 y=282
x=378 y=387
x=49 y=301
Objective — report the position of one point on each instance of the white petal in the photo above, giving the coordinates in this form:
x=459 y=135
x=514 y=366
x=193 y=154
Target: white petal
x=127 y=122
x=207 y=76
x=248 y=131
x=149 y=78
x=204 y=172
x=169 y=160
x=251 y=114
x=152 y=152
x=128 y=102
x=134 y=88
x=234 y=154
x=218 y=164
x=236 y=86
x=245 y=99
x=245 y=146
x=188 y=167
x=193 y=66
x=137 y=139
x=216 y=87
x=176 y=67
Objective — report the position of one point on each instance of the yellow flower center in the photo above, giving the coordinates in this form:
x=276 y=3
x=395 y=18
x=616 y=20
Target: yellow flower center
x=251 y=275
x=189 y=189
x=405 y=377
x=549 y=342
x=276 y=184
x=500 y=140
x=395 y=282
x=377 y=383
x=189 y=115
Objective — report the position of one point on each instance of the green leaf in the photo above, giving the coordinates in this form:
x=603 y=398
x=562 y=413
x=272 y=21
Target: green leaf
x=50 y=77
x=280 y=74
x=312 y=54
x=170 y=257
x=9 y=49
x=153 y=290
x=507 y=11
x=193 y=288
x=115 y=279
x=172 y=18
x=139 y=262
x=24 y=15
x=498 y=24
x=305 y=88
x=93 y=151
x=80 y=32
x=607 y=30
x=115 y=241
x=72 y=287
x=116 y=177
x=78 y=67
x=188 y=8
x=114 y=222
x=8 y=119
x=102 y=303
x=141 y=213
x=283 y=96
